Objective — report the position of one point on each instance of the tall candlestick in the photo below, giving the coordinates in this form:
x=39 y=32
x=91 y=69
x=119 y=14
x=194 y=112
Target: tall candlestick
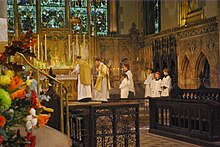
x=45 y=45
x=34 y=53
x=34 y=49
x=69 y=47
x=31 y=52
x=42 y=51
x=84 y=43
x=77 y=46
x=73 y=50
x=38 y=47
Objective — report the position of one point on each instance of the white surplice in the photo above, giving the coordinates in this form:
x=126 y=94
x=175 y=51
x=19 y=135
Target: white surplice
x=124 y=88
x=156 y=88
x=131 y=82
x=84 y=91
x=166 y=82
x=147 y=84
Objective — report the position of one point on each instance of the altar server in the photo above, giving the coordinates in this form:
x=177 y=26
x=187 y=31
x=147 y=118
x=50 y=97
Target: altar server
x=124 y=86
x=166 y=83
x=147 y=83
x=131 y=90
x=156 y=85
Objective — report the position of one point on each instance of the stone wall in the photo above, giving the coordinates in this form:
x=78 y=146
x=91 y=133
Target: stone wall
x=194 y=45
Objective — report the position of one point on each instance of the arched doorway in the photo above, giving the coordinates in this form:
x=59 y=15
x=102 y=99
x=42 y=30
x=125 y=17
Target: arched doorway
x=203 y=70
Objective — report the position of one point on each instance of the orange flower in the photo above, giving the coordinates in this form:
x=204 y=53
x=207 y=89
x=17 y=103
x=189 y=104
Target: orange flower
x=2 y=121
x=43 y=119
x=15 y=83
x=19 y=93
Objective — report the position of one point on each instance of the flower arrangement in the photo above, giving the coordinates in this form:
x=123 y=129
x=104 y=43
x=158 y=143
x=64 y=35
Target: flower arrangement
x=20 y=103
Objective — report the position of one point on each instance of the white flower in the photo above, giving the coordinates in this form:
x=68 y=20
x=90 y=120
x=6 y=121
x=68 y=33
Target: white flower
x=11 y=111
x=31 y=119
x=33 y=112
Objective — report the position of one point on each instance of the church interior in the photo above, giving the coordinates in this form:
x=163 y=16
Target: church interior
x=44 y=39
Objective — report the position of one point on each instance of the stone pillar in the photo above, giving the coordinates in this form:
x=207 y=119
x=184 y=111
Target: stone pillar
x=218 y=18
x=113 y=16
x=3 y=9
x=3 y=29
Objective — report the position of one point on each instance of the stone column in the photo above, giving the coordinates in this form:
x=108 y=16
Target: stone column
x=3 y=29
x=113 y=16
x=3 y=9
x=218 y=18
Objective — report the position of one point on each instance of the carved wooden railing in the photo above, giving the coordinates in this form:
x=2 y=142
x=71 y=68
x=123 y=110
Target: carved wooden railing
x=105 y=125
x=192 y=113
x=61 y=91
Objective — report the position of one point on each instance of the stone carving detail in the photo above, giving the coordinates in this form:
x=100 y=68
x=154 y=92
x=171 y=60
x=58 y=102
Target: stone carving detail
x=134 y=33
x=198 y=31
x=211 y=44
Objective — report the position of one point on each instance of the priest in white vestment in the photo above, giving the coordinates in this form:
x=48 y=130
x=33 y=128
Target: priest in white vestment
x=83 y=72
x=102 y=85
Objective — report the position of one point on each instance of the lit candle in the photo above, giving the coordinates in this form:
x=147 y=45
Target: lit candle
x=42 y=51
x=31 y=52
x=69 y=47
x=38 y=47
x=45 y=45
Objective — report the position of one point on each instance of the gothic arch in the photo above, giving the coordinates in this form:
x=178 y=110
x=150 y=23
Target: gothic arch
x=185 y=70
x=203 y=67
x=201 y=63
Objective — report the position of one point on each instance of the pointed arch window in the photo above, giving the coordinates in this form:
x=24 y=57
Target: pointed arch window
x=10 y=16
x=78 y=8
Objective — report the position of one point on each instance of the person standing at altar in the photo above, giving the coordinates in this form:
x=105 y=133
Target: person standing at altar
x=102 y=85
x=131 y=91
x=83 y=72
x=166 y=83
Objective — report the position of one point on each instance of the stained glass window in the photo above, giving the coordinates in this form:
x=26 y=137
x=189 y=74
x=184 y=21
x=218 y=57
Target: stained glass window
x=10 y=13
x=27 y=15
x=157 y=16
x=52 y=13
x=100 y=7
x=78 y=9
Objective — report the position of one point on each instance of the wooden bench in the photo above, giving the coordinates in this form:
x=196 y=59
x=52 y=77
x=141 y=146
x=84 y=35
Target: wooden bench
x=187 y=113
